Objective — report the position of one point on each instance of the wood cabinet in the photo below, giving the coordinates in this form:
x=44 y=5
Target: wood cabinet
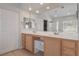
x=68 y=47
x=77 y=48
x=23 y=40
x=52 y=46
x=29 y=42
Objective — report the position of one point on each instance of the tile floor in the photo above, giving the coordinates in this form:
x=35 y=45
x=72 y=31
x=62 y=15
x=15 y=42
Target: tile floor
x=21 y=52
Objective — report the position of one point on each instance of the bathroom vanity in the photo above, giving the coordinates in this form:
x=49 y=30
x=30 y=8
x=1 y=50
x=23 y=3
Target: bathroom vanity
x=59 y=34
x=54 y=45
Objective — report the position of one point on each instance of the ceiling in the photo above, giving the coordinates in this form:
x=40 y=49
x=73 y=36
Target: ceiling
x=69 y=9
x=37 y=6
x=25 y=6
x=56 y=9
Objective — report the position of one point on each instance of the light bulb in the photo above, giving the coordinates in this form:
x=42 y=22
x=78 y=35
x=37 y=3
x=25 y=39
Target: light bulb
x=26 y=26
x=37 y=11
x=30 y=9
x=47 y=7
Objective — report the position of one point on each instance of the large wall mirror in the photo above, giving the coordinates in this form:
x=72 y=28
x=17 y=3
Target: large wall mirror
x=59 y=19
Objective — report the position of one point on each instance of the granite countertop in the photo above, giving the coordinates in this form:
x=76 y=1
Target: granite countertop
x=72 y=36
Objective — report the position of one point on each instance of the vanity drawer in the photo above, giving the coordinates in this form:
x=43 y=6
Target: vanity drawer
x=68 y=48
x=68 y=43
x=68 y=52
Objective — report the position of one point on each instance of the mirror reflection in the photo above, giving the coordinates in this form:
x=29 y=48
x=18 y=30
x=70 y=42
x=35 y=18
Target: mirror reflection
x=62 y=18
x=28 y=23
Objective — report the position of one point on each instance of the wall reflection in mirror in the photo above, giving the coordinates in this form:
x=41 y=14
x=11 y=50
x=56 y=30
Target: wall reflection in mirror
x=28 y=23
x=64 y=19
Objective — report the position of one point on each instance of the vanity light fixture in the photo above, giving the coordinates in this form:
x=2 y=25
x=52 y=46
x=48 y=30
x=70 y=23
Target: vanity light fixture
x=37 y=11
x=47 y=7
x=30 y=9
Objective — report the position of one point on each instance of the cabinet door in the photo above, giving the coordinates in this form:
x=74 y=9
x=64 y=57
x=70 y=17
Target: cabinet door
x=68 y=48
x=23 y=40
x=77 y=49
x=52 y=47
x=29 y=43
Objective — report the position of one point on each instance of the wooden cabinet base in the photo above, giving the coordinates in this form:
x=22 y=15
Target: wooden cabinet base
x=77 y=50
x=52 y=47
x=29 y=43
x=68 y=47
x=23 y=40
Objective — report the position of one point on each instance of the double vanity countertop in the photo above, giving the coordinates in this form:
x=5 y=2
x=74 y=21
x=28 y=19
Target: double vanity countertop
x=71 y=36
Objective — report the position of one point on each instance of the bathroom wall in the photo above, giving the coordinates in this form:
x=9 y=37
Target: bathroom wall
x=78 y=18
x=0 y=32
x=9 y=30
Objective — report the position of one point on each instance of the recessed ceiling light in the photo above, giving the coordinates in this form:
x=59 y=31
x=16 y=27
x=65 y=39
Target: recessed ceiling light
x=30 y=9
x=37 y=11
x=41 y=3
x=47 y=7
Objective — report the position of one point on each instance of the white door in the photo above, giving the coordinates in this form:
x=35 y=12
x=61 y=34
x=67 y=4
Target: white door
x=10 y=30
